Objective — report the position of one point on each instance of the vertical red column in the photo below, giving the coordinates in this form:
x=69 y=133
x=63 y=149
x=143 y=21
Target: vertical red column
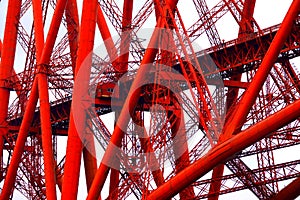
x=74 y=145
x=44 y=102
x=7 y=62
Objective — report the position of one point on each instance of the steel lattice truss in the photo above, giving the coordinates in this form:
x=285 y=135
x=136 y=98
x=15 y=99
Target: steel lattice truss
x=210 y=122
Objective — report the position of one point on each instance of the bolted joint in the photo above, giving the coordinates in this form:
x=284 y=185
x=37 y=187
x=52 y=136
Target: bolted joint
x=42 y=69
x=6 y=84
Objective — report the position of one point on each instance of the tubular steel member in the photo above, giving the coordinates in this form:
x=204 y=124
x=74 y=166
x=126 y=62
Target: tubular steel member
x=20 y=143
x=223 y=151
x=7 y=62
x=74 y=145
x=50 y=176
x=181 y=153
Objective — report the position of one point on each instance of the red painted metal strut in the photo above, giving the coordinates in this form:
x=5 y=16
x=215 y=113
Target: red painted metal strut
x=74 y=145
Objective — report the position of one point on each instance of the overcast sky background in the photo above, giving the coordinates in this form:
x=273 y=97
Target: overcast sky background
x=267 y=13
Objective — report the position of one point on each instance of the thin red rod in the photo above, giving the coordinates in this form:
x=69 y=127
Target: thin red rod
x=38 y=28
x=251 y=93
x=74 y=144
x=106 y=36
x=50 y=175
x=90 y=164
x=181 y=153
x=225 y=150
x=73 y=29
x=89 y=156
x=126 y=35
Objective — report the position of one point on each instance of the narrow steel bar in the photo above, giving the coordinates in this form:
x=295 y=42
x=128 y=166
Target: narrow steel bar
x=73 y=29
x=251 y=93
x=74 y=144
x=38 y=28
x=90 y=165
x=106 y=36
x=50 y=176
x=228 y=148
x=125 y=35
x=89 y=156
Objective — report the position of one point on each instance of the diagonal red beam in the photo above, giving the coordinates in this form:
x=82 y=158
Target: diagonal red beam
x=106 y=36
x=74 y=144
x=20 y=143
x=249 y=97
x=220 y=153
x=291 y=191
